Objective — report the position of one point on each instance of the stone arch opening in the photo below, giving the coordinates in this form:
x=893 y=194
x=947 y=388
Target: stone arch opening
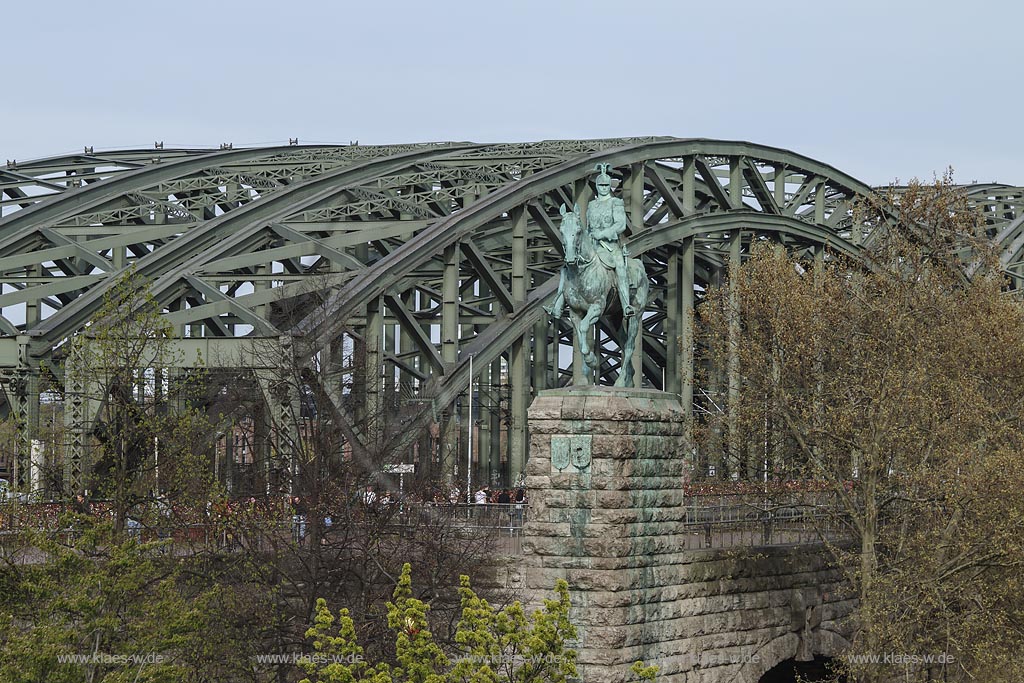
x=776 y=661
x=790 y=671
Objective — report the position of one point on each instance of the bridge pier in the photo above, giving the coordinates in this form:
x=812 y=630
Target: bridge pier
x=606 y=475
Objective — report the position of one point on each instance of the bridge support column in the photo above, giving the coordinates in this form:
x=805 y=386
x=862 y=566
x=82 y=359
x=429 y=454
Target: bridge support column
x=81 y=406
x=373 y=337
x=518 y=356
x=23 y=395
x=541 y=331
x=450 y=355
x=605 y=480
x=30 y=455
x=685 y=327
x=283 y=405
x=737 y=459
x=495 y=418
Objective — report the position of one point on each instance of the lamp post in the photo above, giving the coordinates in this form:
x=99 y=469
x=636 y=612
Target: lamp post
x=469 y=448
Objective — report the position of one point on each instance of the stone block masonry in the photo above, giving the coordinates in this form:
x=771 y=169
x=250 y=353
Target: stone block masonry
x=606 y=474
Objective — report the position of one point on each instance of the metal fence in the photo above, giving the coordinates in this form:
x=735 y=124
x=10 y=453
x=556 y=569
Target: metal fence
x=745 y=519
x=245 y=529
x=707 y=521
x=504 y=520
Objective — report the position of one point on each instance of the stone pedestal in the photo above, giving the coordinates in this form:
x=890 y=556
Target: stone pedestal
x=605 y=479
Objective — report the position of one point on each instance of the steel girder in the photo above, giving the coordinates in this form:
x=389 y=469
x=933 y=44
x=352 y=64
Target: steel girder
x=1002 y=208
x=834 y=193
x=450 y=247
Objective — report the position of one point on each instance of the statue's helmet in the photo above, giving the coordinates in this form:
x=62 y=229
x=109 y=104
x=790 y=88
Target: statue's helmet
x=602 y=175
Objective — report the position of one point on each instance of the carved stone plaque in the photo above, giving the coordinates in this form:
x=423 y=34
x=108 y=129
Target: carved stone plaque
x=570 y=452
x=579 y=451
x=560 y=452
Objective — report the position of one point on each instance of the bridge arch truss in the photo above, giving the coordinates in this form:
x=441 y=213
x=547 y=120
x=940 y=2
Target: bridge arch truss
x=418 y=258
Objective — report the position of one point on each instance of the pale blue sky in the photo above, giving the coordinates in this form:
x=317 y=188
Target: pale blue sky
x=881 y=90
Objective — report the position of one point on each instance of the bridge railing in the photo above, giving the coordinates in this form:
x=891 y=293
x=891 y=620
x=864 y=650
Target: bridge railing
x=725 y=520
x=709 y=520
x=504 y=521
x=264 y=529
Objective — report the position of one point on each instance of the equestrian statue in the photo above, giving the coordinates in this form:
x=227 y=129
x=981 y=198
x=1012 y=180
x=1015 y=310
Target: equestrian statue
x=596 y=263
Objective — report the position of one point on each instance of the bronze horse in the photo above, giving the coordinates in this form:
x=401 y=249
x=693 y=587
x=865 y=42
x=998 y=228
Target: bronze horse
x=587 y=281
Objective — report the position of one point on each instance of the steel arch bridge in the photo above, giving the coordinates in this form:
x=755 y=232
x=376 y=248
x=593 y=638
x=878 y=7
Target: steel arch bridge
x=430 y=258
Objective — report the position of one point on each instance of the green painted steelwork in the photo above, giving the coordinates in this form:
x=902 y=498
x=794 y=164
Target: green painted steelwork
x=424 y=255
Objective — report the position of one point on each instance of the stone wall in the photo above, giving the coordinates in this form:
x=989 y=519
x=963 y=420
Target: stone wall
x=605 y=476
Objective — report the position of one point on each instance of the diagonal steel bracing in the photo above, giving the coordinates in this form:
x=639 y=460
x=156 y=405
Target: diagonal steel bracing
x=423 y=255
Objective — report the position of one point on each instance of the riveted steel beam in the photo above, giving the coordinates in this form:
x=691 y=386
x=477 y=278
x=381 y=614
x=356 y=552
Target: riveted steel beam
x=91 y=197
x=219 y=236
x=458 y=241
x=432 y=240
x=498 y=337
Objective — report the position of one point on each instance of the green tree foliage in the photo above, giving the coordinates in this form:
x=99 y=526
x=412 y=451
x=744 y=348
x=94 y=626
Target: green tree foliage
x=898 y=388
x=125 y=609
x=83 y=588
x=644 y=673
x=492 y=645
x=147 y=404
